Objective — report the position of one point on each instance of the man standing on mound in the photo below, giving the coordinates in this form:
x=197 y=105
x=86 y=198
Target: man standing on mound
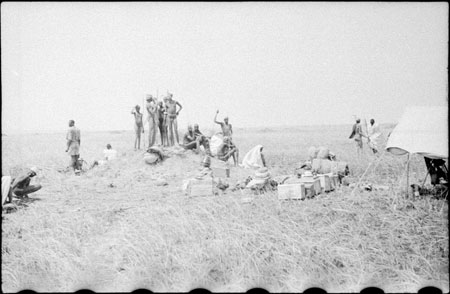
x=227 y=130
x=73 y=144
x=172 y=114
x=138 y=126
x=151 y=107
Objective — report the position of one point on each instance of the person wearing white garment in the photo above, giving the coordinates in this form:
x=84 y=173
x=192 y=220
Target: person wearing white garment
x=254 y=158
x=109 y=153
x=374 y=136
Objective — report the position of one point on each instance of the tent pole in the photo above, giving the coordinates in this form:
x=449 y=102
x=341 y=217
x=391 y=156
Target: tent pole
x=423 y=183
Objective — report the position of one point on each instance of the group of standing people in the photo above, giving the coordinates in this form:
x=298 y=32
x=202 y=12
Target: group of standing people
x=162 y=117
x=373 y=136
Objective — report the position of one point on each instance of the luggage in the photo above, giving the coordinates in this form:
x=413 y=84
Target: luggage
x=325 y=183
x=291 y=191
x=323 y=153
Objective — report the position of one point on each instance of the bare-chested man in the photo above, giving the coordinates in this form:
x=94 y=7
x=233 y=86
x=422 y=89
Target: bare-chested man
x=227 y=130
x=161 y=121
x=226 y=150
x=138 y=126
x=190 y=141
x=151 y=118
x=172 y=114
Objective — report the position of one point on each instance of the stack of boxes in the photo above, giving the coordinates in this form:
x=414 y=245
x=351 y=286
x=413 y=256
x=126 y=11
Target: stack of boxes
x=312 y=184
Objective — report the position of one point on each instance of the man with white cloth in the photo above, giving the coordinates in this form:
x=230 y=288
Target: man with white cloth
x=254 y=158
x=374 y=136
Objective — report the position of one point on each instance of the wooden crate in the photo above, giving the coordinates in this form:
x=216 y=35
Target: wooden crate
x=200 y=188
x=325 y=182
x=333 y=180
x=315 y=182
x=309 y=190
x=221 y=172
x=291 y=191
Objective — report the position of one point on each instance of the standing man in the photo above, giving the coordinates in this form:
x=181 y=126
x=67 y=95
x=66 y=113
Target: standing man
x=73 y=144
x=138 y=126
x=357 y=134
x=172 y=114
x=374 y=136
x=166 y=123
x=160 y=111
x=227 y=130
x=151 y=118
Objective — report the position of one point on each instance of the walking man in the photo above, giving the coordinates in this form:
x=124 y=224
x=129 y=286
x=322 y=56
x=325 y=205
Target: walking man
x=357 y=135
x=73 y=144
x=172 y=114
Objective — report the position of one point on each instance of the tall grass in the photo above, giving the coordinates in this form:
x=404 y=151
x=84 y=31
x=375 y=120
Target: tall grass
x=113 y=229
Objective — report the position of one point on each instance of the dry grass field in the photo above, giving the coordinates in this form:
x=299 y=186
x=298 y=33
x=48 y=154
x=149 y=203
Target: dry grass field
x=114 y=229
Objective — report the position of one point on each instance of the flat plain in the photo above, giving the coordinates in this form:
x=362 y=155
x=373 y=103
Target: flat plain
x=114 y=229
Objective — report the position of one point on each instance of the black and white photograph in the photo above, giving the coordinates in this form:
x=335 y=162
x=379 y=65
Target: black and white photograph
x=224 y=146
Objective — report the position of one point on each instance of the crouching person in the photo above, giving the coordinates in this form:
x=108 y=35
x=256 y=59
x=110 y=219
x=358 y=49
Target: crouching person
x=189 y=140
x=21 y=187
x=202 y=139
x=227 y=149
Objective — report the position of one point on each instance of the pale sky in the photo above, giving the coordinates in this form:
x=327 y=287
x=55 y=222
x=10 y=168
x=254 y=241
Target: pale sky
x=262 y=64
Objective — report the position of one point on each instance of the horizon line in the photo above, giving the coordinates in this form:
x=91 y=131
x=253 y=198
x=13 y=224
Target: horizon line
x=14 y=132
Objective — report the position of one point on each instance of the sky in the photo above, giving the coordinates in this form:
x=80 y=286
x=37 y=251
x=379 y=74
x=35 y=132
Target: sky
x=262 y=64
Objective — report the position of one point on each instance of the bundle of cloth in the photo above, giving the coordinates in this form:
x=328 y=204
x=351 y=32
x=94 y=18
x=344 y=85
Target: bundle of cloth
x=320 y=153
x=215 y=142
x=262 y=181
x=253 y=159
x=154 y=155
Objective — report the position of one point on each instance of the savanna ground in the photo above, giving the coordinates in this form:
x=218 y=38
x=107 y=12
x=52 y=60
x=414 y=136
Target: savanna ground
x=114 y=229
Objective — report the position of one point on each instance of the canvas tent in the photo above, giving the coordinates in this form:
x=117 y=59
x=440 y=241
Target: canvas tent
x=422 y=130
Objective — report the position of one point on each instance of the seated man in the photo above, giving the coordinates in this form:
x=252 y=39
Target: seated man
x=21 y=187
x=228 y=149
x=202 y=139
x=438 y=171
x=109 y=153
x=189 y=140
